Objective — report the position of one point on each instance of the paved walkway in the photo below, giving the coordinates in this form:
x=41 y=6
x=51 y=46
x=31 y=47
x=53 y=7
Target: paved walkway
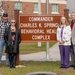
x=41 y=56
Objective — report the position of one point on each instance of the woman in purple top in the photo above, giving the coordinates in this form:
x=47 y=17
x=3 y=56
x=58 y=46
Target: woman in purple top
x=64 y=40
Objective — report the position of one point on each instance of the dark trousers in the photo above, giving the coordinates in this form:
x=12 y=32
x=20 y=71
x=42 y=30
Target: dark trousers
x=73 y=54
x=12 y=59
x=64 y=55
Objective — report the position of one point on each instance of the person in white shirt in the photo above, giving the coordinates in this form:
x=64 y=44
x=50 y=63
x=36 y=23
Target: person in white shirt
x=64 y=39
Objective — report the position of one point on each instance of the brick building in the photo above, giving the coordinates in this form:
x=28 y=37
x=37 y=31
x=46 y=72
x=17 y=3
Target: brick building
x=32 y=6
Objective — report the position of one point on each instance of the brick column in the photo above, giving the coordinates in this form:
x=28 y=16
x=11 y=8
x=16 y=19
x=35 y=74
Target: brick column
x=66 y=14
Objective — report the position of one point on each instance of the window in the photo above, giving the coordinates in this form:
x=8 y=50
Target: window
x=18 y=5
x=35 y=7
x=54 y=8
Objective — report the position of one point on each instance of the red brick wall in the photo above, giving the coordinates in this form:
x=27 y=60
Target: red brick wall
x=43 y=8
x=8 y=6
x=28 y=8
x=61 y=7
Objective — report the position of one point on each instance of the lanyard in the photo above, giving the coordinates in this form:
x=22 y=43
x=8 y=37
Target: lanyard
x=62 y=32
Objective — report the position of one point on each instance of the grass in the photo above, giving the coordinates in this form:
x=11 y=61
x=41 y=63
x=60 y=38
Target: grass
x=32 y=47
x=27 y=47
x=34 y=66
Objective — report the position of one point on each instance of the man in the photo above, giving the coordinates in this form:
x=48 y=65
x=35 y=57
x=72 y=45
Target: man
x=3 y=24
x=73 y=39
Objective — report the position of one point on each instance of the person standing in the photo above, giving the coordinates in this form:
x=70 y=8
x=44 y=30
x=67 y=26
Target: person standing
x=12 y=39
x=73 y=39
x=64 y=39
x=3 y=24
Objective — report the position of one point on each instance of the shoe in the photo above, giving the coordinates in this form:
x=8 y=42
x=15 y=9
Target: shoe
x=11 y=66
x=14 y=67
x=72 y=66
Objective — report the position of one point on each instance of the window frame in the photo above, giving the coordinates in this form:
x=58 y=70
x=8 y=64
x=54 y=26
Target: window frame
x=35 y=11
x=17 y=6
x=55 y=9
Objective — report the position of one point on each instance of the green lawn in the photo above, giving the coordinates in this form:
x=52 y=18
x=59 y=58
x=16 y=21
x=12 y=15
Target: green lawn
x=30 y=47
x=32 y=66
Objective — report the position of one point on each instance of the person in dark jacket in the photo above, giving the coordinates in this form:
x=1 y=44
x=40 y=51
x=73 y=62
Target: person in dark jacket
x=12 y=39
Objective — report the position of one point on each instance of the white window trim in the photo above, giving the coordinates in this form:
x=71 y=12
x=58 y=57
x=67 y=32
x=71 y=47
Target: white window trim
x=35 y=12
x=20 y=11
x=54 y=13
x=16 y=2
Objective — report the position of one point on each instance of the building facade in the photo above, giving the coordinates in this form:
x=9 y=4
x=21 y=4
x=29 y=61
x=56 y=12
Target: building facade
x=56 y=7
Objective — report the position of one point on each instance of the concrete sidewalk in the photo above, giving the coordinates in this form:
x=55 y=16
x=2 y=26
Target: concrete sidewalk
x=41 y=56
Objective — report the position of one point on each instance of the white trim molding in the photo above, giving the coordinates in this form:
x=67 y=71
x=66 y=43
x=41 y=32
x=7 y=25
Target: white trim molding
x=54 y=13
x=42 y=1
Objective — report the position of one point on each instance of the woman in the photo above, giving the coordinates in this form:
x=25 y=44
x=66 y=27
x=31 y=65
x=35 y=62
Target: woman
x=12 y=39
x=64 y=39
